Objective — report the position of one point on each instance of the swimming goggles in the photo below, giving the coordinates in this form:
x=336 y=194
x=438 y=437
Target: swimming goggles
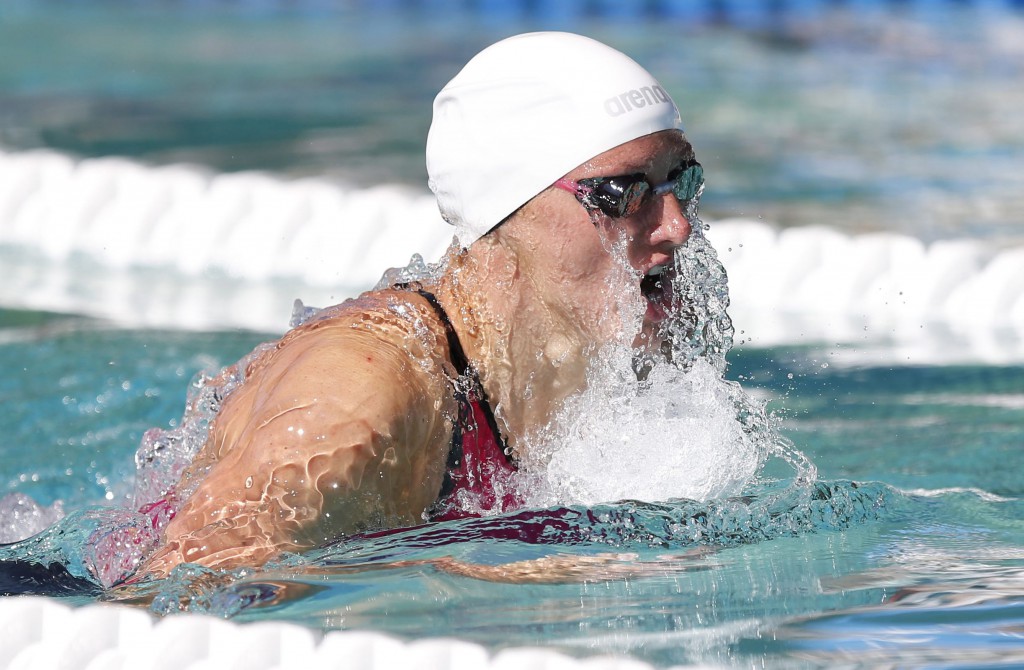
x=626 y=194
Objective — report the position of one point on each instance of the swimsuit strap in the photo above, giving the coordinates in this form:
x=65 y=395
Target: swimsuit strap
x=478 y=455
x=459 y=358
x=462 y=364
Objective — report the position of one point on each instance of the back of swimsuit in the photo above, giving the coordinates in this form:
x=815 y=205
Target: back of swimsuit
x=479 y=473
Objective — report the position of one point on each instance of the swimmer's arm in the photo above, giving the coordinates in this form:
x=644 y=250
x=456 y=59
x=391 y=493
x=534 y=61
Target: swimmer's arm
x=336 y=435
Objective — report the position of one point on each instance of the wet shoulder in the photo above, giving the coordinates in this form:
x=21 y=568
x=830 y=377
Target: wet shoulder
x=374 y=363
x=399 y=325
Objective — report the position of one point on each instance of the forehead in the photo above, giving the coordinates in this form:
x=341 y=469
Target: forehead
x=654 y=153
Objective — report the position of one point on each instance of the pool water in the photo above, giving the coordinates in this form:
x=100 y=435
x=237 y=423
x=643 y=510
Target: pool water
x=894 y=365
x=863 y=115
x=907 y=549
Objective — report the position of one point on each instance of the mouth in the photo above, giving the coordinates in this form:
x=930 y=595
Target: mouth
x=656 y=287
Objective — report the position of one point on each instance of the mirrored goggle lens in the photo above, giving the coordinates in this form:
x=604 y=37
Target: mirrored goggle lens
x=619 y=196
x=687 y=184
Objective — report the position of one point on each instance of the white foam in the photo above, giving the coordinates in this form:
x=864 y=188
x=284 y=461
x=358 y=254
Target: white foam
x=176 y=246
x=685 y=441
x=21 y=516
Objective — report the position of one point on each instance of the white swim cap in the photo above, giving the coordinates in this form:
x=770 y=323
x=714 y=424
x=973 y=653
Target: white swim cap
x=524 y=112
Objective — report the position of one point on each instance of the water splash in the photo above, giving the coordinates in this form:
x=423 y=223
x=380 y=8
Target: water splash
x=666 y=423
x=125 y=536
x=417 y=270
x=21 y=517
x=675 y=436
x=699 y=327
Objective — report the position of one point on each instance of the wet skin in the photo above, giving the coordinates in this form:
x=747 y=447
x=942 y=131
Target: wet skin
x=346 y=424
x=653 y=233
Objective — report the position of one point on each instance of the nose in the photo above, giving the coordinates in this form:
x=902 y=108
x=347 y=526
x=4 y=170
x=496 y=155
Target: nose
x=672 y=227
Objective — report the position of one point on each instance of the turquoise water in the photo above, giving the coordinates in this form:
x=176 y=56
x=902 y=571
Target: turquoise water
x=907 y=548
x=898 y=119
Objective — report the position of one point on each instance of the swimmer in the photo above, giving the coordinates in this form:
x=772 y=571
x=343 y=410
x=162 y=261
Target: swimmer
x=563 y=167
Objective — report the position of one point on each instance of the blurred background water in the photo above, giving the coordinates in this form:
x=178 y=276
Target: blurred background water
x=859 y=115
x=260 y=134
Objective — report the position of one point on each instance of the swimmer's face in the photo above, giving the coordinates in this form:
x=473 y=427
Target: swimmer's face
x=588 y=251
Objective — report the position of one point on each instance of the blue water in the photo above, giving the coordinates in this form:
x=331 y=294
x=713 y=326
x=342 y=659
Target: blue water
x=904 y=117
x=908 y=546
